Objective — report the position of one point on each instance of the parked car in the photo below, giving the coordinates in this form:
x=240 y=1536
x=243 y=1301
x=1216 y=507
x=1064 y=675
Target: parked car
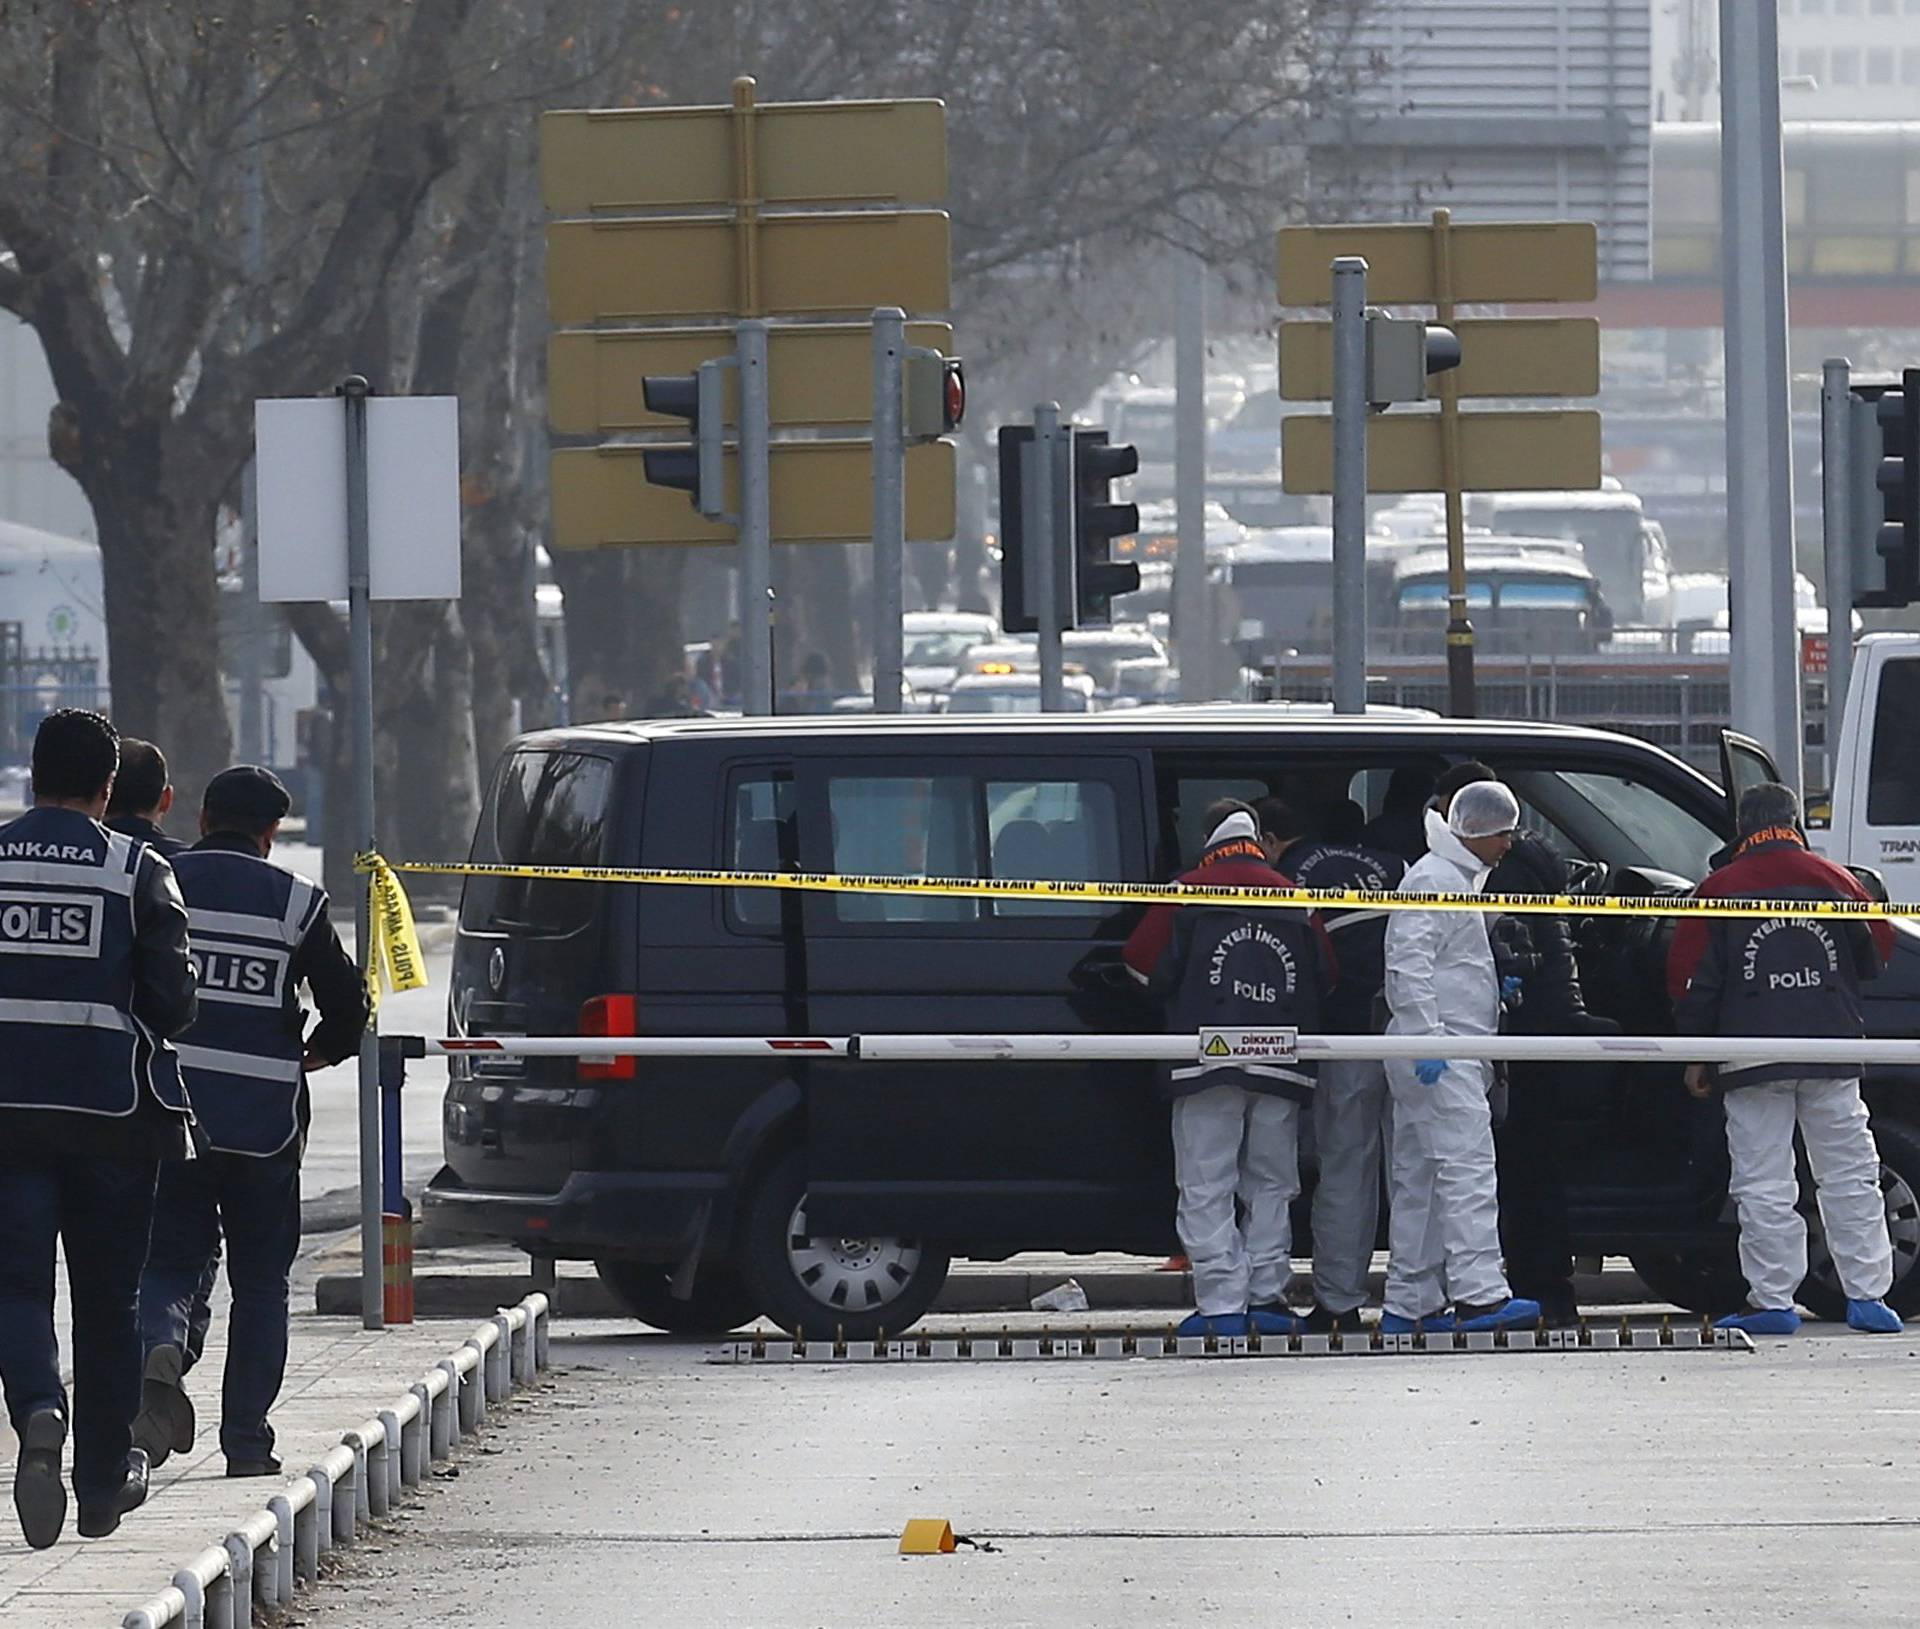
x=832 y=1195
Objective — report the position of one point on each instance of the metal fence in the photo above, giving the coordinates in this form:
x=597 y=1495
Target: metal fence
x=36 y=680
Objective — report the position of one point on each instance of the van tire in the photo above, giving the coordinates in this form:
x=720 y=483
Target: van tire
x=1707 y=1280
x=720 y=1301
x=825 y=1288
x=1899 y=1145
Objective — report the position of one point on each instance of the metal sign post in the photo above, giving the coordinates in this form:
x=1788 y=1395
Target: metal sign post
x=1041 y=524
x=1836 y=518
x=1350 y=484
x=1190 y=644
x=889 y=507
x=756 y=528
x=356 y=390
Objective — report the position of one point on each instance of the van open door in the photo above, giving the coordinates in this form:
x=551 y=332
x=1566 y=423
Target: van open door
x=1744 y=763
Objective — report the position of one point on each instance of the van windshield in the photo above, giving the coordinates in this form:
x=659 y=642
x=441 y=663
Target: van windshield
x=546 y=808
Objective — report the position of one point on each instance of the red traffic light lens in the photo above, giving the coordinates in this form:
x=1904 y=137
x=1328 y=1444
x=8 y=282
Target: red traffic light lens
x=954 y=401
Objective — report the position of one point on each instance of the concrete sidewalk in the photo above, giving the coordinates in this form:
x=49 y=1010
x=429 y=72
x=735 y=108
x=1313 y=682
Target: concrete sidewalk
x=337 y=1376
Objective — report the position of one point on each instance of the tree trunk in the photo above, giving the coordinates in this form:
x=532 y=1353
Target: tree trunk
x=623 y=625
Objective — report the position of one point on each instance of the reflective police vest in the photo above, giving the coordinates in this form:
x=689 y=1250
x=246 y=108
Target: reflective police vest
x=245 y=919
x=68 y=1037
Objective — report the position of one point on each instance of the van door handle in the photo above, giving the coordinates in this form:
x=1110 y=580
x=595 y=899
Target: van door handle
x=1103 y=969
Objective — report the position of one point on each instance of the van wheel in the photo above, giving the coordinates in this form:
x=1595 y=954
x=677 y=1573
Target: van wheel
x=720 y=1301
x=826 y=1285
x=1821 y=1294
x=1706 y=1281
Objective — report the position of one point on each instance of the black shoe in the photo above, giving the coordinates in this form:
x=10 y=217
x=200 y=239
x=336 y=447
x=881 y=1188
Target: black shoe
x=1325 y=1321
x=253 y=1467
x=1558 y=1309
x=38 y=1493
x=100 y=1514
x=164 y=1425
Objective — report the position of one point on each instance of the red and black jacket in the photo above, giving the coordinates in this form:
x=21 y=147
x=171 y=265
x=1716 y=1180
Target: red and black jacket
x=1776 y=975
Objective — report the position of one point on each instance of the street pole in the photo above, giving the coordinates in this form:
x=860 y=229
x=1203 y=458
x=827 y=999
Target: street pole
x=1190 y=630
x=756 y=531
x=1765 y=659
x=889 y=507
x=356 y=390
x=1462 y=699
x=1041 y=524
x=1836 y=524
x=252 y=621
x=1350 y=484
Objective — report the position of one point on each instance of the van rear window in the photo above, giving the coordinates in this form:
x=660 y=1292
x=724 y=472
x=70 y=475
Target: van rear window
x=1893 y=776
x=546 y=808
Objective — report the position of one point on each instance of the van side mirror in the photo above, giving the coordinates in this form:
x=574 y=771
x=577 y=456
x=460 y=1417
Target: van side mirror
x=1872 y=881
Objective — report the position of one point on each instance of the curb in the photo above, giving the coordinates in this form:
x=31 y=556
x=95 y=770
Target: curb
x=460 y=1295
x=278 y=1548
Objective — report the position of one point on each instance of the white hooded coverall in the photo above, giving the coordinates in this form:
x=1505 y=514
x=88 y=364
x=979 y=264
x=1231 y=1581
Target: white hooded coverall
x=1445 y=1228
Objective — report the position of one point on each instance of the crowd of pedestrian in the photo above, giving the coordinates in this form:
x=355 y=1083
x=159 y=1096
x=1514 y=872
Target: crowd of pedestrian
x=1478 y=1235
x=153 y=1102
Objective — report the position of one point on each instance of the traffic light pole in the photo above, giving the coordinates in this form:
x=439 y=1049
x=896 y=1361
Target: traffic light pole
x=1765 y=666
x=889 y=507
x=1350 y=484
x=1041 y=524
x=1836 y=524
x=1190 y=643
x=756 y=528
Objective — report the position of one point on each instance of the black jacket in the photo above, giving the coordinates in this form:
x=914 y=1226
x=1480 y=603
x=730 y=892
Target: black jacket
x=145 y=831
x=1539 y=949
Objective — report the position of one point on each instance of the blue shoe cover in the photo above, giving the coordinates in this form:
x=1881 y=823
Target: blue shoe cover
x=1516 y=1314
x=1873 y=1317
x=1274 y=1323
x=1435 y=1323
x=1765 y=1321
x=1222 y=1324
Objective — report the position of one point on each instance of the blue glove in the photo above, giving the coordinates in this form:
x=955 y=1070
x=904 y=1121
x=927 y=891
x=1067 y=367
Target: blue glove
x=1509 y=986
x=1429 y=1070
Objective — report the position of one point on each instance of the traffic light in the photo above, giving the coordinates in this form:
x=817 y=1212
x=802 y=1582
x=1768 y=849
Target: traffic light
x=1097 y=520
x=1015 y=617
x=1889 y=572
x=936 y=394
x=1402 y=355
x=697 y=468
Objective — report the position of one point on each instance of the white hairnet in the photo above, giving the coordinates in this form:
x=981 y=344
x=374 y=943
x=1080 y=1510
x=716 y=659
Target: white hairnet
x=1237 y=824
x=1482 y=809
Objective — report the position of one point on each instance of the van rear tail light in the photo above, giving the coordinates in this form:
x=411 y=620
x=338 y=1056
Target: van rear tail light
x=609 y=1015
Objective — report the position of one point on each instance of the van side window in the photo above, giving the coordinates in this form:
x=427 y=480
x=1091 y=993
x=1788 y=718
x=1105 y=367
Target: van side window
x=1893 y=774
x=904 y=826
x=1052 y=831
x=547 y=808
x=761 y=803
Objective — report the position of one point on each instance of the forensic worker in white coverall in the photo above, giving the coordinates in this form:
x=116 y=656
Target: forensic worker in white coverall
x=1444 y=1236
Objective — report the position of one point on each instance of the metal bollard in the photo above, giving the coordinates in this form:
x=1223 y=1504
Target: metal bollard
x=391 y=1453
x=274 y=1587
x=307 y=1520
x=414 y=1430
x=473 y=1389
x=445 y=1400
x=193 y=1596
x=499 y=1355
x=357 y=1440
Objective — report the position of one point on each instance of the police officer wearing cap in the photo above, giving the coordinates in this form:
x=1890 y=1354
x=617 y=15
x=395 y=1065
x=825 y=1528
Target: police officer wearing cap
x=94 y=978
x=259 y=932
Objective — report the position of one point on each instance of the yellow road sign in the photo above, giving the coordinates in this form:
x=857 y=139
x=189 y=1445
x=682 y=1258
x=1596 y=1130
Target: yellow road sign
x=1499 y=356
x=818 y=374
x=1533 y=450
x=1493 y=261
x=608 y=161
x=822 y=492
x=687 y=266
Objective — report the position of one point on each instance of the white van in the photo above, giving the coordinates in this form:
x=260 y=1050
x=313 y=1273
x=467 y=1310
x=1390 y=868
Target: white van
x=1875 y=818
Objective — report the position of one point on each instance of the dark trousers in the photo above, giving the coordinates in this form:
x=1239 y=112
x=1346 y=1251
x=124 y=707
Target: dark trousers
x=256 y=1204
x=1533 y=1191
x=101 y=1209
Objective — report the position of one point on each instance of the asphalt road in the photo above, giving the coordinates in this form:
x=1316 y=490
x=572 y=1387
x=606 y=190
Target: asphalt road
x=652 y=1485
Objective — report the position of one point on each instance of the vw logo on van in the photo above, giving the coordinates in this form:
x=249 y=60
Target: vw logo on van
x=496 y=969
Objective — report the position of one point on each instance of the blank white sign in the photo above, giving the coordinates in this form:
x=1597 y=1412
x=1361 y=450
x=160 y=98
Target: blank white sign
x=413 y=497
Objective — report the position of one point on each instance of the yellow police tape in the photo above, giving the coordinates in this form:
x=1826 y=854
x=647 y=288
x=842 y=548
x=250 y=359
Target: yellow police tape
x=394 y=957
x=1138 y=893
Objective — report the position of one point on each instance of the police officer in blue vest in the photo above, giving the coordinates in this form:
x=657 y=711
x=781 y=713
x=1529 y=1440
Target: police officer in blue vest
x=142 y=796
x=259 y=932
x=94 y=979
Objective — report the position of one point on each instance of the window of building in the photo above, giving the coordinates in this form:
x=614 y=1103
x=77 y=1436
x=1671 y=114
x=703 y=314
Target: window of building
x=1881 y=8
x=1880 y=67
x=1846 y=8
x=1812 y=63
x=1813 y=8
x=1910 y=66
x=1893 y=775
x=1846 y=66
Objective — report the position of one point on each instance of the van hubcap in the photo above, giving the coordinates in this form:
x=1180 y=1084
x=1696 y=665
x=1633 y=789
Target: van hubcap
x=1903 y=1230
x=849 y=1274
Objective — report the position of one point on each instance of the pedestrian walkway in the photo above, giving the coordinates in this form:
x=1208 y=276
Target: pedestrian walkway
x=337 y=1376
